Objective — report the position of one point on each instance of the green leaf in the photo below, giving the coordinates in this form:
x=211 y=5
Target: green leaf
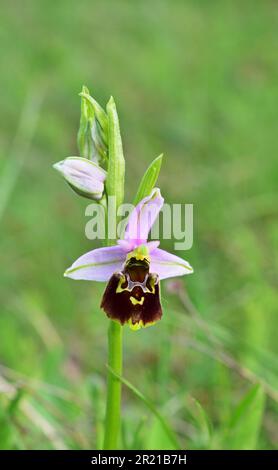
x=116 y=161
x=149 y=179
x=246 y=421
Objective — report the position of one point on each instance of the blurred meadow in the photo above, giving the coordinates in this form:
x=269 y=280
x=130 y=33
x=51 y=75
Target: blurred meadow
x=196 y=80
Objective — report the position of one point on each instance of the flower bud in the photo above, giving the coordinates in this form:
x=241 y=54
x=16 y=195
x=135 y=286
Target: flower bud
x=92 y=134
x=85 y=177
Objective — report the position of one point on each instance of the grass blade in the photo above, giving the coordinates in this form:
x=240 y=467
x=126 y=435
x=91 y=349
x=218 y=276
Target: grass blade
x=246 y=421
x=152 y=408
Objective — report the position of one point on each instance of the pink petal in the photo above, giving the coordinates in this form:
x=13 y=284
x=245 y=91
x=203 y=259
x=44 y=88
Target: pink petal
x=98 y=264
x=125 y=245
x=152 y=245
x=143 y=217
x=167 y=265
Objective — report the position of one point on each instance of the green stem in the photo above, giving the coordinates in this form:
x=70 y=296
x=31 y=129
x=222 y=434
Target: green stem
x=113 y=400
x=114 y=187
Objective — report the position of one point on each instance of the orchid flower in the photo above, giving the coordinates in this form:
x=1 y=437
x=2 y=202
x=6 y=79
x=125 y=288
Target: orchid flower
x=133 y=268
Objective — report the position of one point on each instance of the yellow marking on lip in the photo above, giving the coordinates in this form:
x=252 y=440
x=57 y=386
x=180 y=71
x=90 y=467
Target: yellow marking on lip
x=137 y=326
x=119 y=286
x=136 y=301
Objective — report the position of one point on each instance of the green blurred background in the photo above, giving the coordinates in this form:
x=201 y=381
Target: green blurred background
x=196 y=80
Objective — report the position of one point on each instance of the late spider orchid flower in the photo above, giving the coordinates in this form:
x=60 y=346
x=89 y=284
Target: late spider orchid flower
x=85 y=177
x=133 y=268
